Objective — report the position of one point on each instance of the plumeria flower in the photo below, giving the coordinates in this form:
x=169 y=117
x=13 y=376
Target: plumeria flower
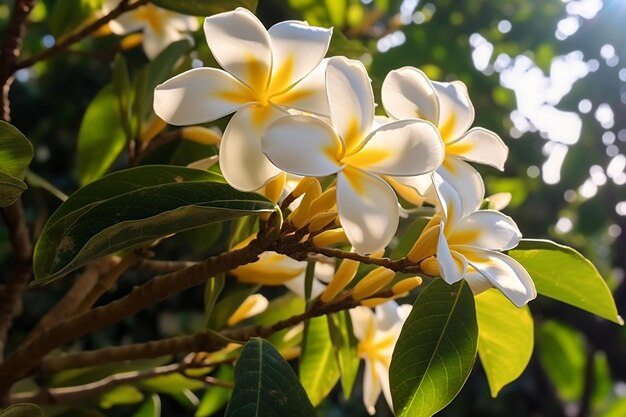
x=356 y=152
x=469 y=245
x=265 y=73
x=407 y=92
x=377 y=334
x=160 y=27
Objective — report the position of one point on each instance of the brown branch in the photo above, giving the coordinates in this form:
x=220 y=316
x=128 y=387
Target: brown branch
x=26 y=357
x=123 y=7
x=162 y=267
x=21 y=269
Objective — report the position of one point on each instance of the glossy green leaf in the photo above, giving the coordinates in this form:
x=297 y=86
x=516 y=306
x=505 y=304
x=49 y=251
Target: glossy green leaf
x=266 y=386
x=215 y=398
x=345 y=344
x=22 y=410
x=435 y=351
x=101 y=137
x=10 y=189
x=562 y=273
x=212 y=290
x=562 y=355
x=121 y=395
x=130 y=207
x=16 y=152
x=505 y=338
x=123 y=92
x=150 y=408
x=319 y=371
x=617 y=409
x=204 y=7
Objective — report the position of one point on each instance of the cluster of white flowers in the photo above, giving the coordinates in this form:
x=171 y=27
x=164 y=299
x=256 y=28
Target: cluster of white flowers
x=299 y=113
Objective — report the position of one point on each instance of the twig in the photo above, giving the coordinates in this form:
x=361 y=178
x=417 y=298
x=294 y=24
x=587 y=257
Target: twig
x=124 y=6
x=162 y=267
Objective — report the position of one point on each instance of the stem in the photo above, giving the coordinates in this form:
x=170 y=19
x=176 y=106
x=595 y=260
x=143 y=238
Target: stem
x=124 y=6
x=25 y=358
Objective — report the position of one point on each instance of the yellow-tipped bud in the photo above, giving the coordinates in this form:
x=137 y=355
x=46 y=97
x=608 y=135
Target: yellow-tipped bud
x=275 y=187
x=378 y=254
x=406 y=285
x=325 y=202
x=425 y=246
x=155 y=127
x=301 y=215
x=321 y=220
x=103 y=30
x=375 y=302
x=345 y=273
x=373 y=282
x=130 y=41
x=330 y=238
x=302 y=186
x=430 y=266
x=253 y=305
x=201 y=135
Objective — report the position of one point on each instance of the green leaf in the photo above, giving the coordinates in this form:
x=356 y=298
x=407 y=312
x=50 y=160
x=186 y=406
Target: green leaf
x=101 y=137
x=16 y=152
x=170 y=384
x=151 y=408
x=337 y=12
x=319 y=371
x=505 y=338
x=617 y=409
x=266 y=386
x=562 y=273
x=121 y=395
x=130 y=207
x=22 y=410
x=215 y=398
x=345 y=344
x=204 y=7
x=231 y=298
x=212 y=291
x=562 y=355
x=68 y=15
x=123 y=92
x=10 y=189
x=435 y=351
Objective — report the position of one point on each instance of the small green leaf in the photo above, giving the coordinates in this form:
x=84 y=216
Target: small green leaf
x=230 y=299
x=204 y=7
x=435 y=351
x=337 y=12
x=170 y=384
x=505 y=338
x=121 y=395
x=150 y=408
x=10 y=189
x=266 y=386
x=101 y=137
x=22 y=410
x=123 y=92
x=562 y=273
x=16 y=152
x=212 y=291
x=215 y=398
x=345 y=344
x=319 y=371
x=130 y=207
x=562 y=355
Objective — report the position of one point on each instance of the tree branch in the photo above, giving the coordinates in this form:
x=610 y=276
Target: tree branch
x=123 y=7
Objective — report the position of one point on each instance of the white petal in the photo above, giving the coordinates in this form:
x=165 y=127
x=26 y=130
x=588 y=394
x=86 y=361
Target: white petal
x=504 y=273
x=488 y=229
x=297 y=286
x=197 y=96
x=423 y=184
x=482 y=146
x=363 y=321
x=403 y=148
x=404 y=310
x=477 y=282
x=243 y=164
x=407 y=93
x=465 y=180
x=351 y=100
x=241 y=45
x=450 y=202
x=387 y=315
x=155 y=41
x=303 y=145
x=452 y=265
x=371 y=387
x=324 y=272
x=309 y=94
x=297 y=49
x=126 y=23
x=383 y=375
x=368 y=210
x=456 y=112
x=183 y=23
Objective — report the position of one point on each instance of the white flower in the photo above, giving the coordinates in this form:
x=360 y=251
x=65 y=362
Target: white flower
x=377 y=334
x=160 y=27
x=407 y=92
x=266 y=72
x=469 y=245
x=358 y=153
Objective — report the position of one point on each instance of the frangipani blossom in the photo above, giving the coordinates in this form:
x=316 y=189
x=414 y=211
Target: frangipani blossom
x=160 y=27
x=265 y=73
x=407 y=92
x=377 y=334
x=359 y=154
x=469 y=245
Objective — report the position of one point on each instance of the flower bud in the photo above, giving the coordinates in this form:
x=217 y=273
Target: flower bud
x=201 y=135
x=345 y=273
x=373 y=282
x=330 y=238
x=406 y=285
x=430 y=266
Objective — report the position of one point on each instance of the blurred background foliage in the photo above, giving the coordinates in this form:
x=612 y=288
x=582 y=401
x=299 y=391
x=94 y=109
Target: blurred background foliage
x=548 y=75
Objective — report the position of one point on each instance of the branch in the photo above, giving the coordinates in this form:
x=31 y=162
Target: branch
x=162 y=267
x=124 y=6
x=25 y=358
